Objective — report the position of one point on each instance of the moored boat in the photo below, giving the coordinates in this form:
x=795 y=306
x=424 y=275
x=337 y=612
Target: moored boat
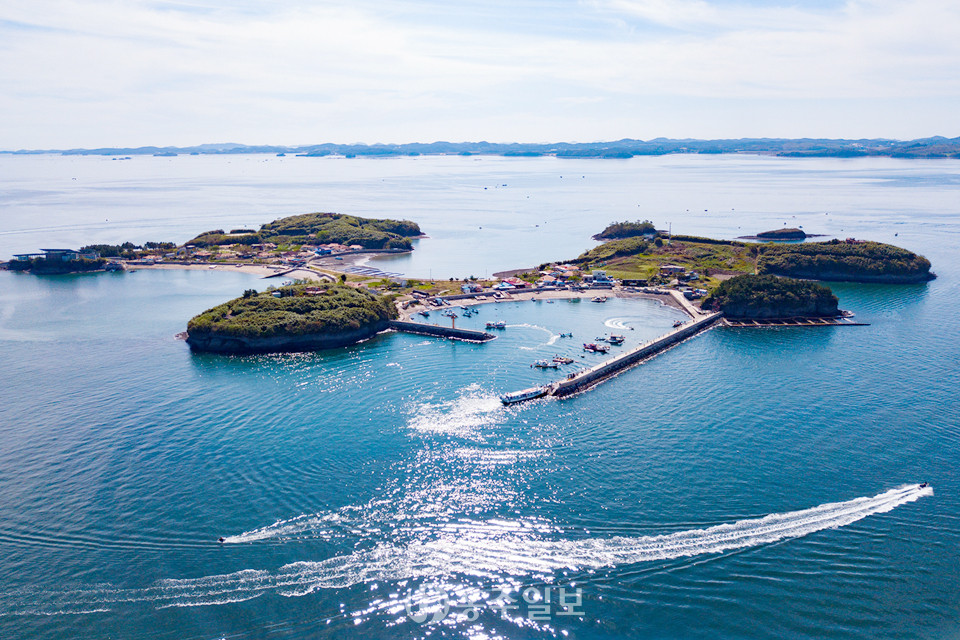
x=562 y=360
x=545 y=364
x=599 y=299
x=614 y=339
x=526 y=394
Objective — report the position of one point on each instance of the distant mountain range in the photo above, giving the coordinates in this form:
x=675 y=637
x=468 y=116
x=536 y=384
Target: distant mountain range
x=936 y=147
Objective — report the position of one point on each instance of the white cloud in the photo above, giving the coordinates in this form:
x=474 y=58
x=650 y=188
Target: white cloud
x=93 y=72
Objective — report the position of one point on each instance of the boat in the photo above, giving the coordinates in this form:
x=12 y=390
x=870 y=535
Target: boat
x=526 y=394
x=566 y=335
x=618 y=340
x=546 y=364
x=424 y=313
x=599 y=299
x=596 y=348
x=497 y=325
x=678 y=323
x=562 y=360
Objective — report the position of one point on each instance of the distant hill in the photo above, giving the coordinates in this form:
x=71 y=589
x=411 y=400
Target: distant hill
x=935 y=147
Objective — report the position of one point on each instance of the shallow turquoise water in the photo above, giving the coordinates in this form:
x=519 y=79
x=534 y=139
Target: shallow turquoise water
x=346 y=480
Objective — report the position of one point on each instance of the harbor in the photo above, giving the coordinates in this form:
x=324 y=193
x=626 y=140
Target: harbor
x=582 y=380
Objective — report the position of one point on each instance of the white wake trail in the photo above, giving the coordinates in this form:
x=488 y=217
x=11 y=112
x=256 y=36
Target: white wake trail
x=492 y=549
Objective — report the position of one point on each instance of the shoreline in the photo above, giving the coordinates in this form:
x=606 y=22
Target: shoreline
x=666 y=300
x=263 y=271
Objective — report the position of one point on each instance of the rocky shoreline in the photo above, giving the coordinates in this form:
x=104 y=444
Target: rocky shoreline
x=209 y=342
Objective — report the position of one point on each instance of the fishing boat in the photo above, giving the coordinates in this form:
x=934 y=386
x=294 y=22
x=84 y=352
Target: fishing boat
x=614 y=339
x=678 y=323
x=562 y=360
x=526 y=394
x=424 y=313
x=599 y=299
x=497 y=325
x=596 y=348
x=546 y=364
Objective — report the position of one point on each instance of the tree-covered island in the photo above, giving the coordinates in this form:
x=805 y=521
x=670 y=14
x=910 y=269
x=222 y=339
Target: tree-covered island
x=752 y=296
x=298 y=317
x=644 y=256
x=290 y=241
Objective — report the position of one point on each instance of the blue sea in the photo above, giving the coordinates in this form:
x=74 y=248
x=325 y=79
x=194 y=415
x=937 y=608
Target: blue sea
x=744 y=484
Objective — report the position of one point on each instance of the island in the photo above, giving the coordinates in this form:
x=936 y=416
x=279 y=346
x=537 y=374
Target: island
x=783 y=234
x=752 y=296
x=845 y=260
x=619 y=230
x=297 y=317
x=664 y=259
x=290 y=242
x=319 y=228
x=933 y=147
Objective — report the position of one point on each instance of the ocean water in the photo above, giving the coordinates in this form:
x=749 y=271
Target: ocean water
x=746 y=483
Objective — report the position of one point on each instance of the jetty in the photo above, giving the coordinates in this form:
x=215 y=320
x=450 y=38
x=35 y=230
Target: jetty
x=576 y=382
x=793 y=322
x=419 y=328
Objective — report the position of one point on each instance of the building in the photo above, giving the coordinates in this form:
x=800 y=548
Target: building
x=58 y=255
x=671 y=269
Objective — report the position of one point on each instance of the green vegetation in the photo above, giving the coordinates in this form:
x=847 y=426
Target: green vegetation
x=44 y=266
x=782 y=234
x=638 y=258
x=751 y=296
x=320 y=228
x=300 y=310
x=844 y=260
x=617 y=230
x=848 y=260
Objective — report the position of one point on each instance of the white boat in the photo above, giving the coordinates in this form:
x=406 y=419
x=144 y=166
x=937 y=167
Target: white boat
x=497 y=325
x=546 y=364
x=526 y=394
x=599 y=299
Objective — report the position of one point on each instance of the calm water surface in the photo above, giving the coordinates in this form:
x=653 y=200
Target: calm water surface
x=350 y=482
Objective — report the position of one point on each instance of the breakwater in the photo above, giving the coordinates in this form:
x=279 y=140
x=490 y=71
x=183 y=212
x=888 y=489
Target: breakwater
x=594 y=375
x=440 y=332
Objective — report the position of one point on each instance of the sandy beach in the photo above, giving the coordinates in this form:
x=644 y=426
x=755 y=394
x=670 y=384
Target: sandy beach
x=263 y=271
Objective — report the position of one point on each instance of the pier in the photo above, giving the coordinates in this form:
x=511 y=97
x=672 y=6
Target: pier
x=794 y=322
x=467 y=335
x=594 y=375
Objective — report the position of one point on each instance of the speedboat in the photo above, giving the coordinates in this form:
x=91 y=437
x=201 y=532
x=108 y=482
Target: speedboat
x=526 y=394
x=566 y=335
x=500 y=324
x=562 y=360
x=616 y=339
x=678 y=323
x=424 y=313
x=599 y=299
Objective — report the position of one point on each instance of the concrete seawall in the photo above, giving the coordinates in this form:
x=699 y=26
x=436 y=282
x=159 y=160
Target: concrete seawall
x=440 y=332
x=604 y=370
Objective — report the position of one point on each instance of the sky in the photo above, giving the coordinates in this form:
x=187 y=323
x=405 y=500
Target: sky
x=95 y=73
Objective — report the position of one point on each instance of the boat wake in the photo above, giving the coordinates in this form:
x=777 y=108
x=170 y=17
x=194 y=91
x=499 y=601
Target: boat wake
x=494 y=549
x=472 y=409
